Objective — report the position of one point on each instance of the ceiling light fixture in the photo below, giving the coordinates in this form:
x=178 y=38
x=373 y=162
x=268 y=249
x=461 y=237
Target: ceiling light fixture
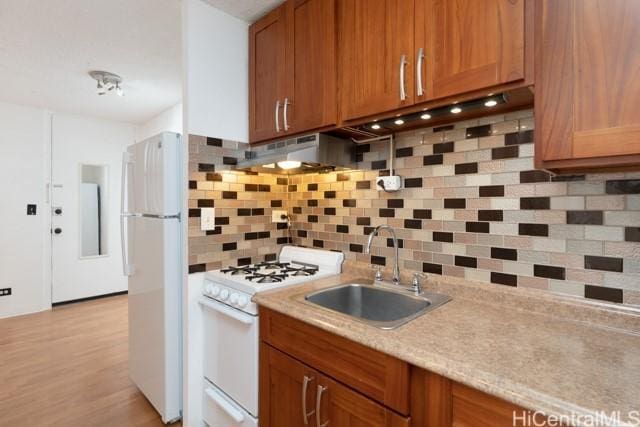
x=375 y=126
x=490 y=103
x=399 y=122
x=456 y=110
x=107 y=82
x=425 y=116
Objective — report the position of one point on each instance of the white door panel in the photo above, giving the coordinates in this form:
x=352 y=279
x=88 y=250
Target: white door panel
x=76 y=141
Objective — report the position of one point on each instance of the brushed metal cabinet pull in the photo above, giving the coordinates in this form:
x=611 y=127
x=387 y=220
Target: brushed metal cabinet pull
x=277 y=116
x=285 y=114
x=403 y=63
x=305 y=383
x=321 y=389
x=419 y=71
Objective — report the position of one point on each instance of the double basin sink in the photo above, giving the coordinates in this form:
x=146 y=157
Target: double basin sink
x=377 y=305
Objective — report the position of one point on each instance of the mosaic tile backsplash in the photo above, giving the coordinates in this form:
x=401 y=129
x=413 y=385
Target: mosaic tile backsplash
x=473 y=206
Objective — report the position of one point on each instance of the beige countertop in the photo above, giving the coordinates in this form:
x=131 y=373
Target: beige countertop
x=549 y=353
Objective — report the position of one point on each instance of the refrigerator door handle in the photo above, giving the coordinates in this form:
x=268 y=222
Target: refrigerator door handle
x=127 y=268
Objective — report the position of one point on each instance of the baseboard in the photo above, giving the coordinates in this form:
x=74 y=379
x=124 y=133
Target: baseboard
x=73 y=301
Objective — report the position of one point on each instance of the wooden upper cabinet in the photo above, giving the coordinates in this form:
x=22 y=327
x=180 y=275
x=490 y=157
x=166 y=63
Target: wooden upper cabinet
x=292 y=69
x=587 y=85
x=311 y=58
x=267 y=77
x=469 y=45
x=374 y=37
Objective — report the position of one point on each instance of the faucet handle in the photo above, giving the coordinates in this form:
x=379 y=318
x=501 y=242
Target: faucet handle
x=416 y=284
x=378 y=276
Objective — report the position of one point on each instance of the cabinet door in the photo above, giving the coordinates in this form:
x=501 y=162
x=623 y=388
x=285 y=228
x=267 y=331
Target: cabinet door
x=283 y=381
x=340 y=406
x=469 y=44
x=587 y=63
x=267 y=75
x=311 y=61
x=374 y=36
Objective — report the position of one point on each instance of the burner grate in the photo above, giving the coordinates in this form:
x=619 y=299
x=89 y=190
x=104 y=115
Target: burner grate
x=234 y=271
x=273 y=277
x=271 y=265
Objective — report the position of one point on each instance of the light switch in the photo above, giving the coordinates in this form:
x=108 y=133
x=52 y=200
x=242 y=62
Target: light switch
x=207 y=219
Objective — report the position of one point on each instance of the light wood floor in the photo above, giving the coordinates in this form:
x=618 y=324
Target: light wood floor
x=68 y=367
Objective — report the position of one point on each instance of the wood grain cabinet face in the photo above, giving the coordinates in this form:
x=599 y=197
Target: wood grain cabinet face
x=292 y=69
x=469 y=45
x=267 y=77
x=282 y=381
x=587 y=83
x=311 y=58
x=374 y=38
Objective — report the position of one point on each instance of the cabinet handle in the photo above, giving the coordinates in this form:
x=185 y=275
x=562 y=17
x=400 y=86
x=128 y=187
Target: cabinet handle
x=321 y=390
x=419 y=71
x=403 y=63
x=277 y=116
x=305 y=414
x=285 y=114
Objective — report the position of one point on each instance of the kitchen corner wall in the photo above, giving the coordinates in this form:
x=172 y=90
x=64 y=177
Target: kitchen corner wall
x=243 y=204
x=473 y=206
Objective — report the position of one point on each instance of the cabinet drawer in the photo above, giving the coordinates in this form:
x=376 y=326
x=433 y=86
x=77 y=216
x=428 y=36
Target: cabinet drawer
x=376 y=375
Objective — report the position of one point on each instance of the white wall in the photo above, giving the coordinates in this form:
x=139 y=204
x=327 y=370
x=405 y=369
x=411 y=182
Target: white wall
x=216 y=55
x=25 y=144
x=169 y=120
x=215 y=97
x=23 y=168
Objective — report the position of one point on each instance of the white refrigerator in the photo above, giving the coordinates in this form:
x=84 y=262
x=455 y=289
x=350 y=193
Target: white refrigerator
x=152 y=259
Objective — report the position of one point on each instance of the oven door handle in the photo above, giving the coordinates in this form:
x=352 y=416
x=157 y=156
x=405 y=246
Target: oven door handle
x=224 y=405
x=247 y=319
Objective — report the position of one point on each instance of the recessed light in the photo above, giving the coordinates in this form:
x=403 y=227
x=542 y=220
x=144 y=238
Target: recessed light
x=399 y=122
x=375 y=126
x=456 y=110
x=289 y=164
x=425 y=116
x=490 y=103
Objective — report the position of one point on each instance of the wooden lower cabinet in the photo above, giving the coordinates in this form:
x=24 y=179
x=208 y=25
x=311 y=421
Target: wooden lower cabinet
x=293 y=394
x=302 y=390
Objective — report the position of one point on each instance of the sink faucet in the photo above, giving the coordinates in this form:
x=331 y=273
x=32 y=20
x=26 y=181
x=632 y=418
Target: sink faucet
x=374 y=233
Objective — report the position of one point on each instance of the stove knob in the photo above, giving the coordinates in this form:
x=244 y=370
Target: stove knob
x=233 y=299
x=215 y=290
x=224 y=294
x=242 y=301
x=208 y=289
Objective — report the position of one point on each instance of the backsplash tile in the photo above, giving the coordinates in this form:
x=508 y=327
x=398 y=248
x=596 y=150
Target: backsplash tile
x=474 y=206
x=244 y=232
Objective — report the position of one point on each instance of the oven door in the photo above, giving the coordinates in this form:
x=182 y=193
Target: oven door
x=231 y=352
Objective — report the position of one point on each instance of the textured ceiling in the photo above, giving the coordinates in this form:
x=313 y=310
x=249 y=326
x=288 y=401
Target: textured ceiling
x=48 y=46
x=247 y=10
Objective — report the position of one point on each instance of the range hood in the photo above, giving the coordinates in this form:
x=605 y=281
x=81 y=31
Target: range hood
x=317 y=152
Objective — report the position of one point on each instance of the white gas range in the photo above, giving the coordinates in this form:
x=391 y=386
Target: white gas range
x=230 y=327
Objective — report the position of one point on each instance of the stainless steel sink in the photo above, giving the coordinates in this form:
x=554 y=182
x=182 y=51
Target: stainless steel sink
x=376 y=305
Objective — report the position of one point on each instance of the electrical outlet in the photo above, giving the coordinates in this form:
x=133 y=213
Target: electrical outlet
x=277 y=216
x=388 y=183
x=5 y=292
